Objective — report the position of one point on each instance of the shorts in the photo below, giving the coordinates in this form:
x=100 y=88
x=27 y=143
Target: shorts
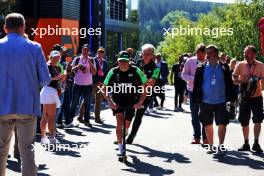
x=254 y=105
x=130 y=113
x=209 y=111
x=49 y=95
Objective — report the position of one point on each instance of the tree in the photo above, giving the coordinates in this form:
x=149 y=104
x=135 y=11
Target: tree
x=151 y=12
x=242 y=17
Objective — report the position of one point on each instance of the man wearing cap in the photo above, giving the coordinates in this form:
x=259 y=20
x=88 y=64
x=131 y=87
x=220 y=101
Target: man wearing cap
x=123 y=77
x=84 y=69
x=19 y=97
x=101 y=72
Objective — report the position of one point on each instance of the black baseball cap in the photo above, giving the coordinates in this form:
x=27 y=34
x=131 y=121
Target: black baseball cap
x=86 y=46
x=58 y=47
x=123 y=56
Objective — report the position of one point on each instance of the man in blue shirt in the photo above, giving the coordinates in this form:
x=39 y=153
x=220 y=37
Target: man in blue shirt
x=214 y=84
x=23 y=70
x=212 y=89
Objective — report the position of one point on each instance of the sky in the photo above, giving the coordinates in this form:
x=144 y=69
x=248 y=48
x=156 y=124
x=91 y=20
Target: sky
x=223 y=1
x=135 y=2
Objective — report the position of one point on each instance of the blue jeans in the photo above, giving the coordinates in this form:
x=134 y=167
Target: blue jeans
x=86 y=93
x=195 y=119
x=67 y=103
x=59 y=114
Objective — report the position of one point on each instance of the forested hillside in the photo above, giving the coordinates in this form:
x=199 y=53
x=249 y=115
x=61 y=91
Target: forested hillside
x=151 y=12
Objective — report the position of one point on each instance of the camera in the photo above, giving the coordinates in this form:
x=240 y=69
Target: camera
x=254 y=79
x=82 y=67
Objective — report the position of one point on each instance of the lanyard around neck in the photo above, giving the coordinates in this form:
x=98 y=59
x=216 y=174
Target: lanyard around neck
x=249 y=69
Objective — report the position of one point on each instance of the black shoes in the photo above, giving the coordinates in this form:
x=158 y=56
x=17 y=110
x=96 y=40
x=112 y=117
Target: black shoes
x=221 y=150
x=244 y=147
x=256 y=148
x=179 y=109
x=98 y=120
x=211 y=149
x=88 y=124
x=80 y=119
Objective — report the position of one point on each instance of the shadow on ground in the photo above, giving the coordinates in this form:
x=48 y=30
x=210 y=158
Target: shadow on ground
x=140 y=167
x=16 y=167
x=240 y=159
x=169 y=157
x=69 y=148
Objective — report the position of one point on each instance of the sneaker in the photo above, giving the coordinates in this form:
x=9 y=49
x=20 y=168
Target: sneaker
x=98 y=120
x=60 y=126
x=158 y=108
x=156 y=105
x=244 y=147
x=120 y=150
x=152 y=110
x=59 y=134
x=181 y=109
x=80 y=119
x=130 y=139
x=45 y=141
x=88 y=124
x=221 y=150
x=53 y=141
x=211 y=149
x=176 y=109
x=163 y=109
x=256 y=148
x=196 y=141
x=147 y=112
x=70 y=125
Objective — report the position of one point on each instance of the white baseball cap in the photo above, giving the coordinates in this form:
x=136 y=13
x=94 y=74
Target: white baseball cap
x=54 y=53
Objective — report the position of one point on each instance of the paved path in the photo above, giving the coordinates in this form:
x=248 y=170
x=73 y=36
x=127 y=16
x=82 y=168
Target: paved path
x=161 y=148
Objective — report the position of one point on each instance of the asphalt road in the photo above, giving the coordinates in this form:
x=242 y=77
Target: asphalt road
x=162 y=147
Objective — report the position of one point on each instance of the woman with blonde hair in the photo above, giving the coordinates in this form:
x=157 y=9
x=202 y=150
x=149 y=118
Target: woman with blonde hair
x=49 y=98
